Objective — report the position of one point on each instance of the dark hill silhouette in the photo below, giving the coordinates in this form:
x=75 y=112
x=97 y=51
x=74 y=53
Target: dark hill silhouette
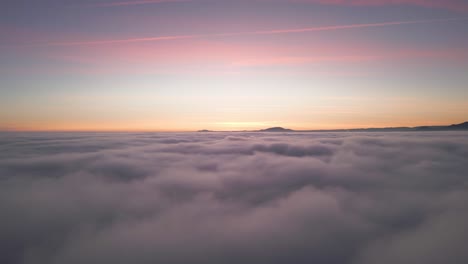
x=462 y=126
x=276 y=129
x=454 y=127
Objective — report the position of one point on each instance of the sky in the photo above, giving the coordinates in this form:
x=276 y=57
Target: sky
x=184 y=65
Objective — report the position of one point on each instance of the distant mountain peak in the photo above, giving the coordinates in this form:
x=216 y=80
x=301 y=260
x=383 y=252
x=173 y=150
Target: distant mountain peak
x=276 y=129
x=454 y=127
x=460 y=126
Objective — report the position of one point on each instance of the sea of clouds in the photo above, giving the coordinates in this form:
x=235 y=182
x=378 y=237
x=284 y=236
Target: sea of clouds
x=251 y=198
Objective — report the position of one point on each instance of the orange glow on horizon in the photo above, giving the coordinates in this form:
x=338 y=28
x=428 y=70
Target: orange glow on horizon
x=217 y=126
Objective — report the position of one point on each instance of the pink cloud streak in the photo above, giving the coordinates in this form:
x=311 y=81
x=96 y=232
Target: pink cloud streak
x=259 y=32
x=200 y=55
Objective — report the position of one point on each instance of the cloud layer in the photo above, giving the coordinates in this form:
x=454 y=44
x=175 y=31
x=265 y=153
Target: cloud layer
x=234 y=198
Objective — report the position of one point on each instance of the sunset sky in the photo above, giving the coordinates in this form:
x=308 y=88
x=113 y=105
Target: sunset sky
x=184 y=65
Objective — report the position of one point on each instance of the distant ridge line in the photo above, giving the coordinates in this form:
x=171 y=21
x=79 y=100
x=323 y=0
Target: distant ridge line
x=454 y=127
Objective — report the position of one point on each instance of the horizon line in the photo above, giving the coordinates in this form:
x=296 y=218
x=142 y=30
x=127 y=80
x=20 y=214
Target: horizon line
x=12 y=130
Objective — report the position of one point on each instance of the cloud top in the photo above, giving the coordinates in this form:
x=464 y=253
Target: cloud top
x=352 y=198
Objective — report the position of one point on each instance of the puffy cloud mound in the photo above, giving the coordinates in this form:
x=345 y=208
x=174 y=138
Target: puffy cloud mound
x=258 y=198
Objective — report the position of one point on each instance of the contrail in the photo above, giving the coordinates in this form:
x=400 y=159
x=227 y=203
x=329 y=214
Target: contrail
x=339 y=27
x=117 y=41
x=261 y=32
